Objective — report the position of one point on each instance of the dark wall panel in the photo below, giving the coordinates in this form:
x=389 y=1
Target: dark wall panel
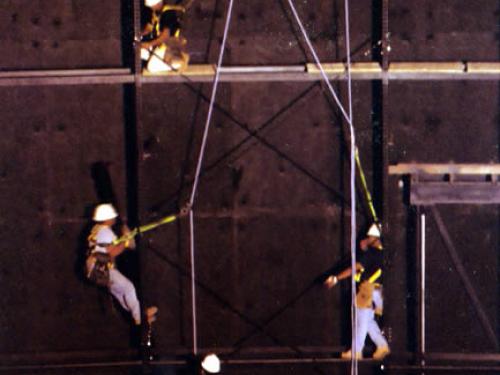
x=475 y=233
x=427 y=30
x=53 y=137
x=60 y=34
x=266 y=33
x=451 y=121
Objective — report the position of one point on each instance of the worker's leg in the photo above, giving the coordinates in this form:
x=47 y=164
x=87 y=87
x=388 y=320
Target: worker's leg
x=124 y=291
x=364 y=316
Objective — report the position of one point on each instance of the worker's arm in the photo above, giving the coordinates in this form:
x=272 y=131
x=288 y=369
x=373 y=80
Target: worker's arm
x=115 y=250
x=162 y=38
x=332 y=280
x=148 y=29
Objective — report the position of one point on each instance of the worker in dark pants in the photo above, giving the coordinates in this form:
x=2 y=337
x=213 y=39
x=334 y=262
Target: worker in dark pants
x=162 y=46
x=369 y=300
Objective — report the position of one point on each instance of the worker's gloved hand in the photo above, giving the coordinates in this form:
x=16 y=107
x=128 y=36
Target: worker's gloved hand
x=331 y=281
x=130 y=243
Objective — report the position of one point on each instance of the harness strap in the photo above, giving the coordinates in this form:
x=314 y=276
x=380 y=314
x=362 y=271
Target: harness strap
x=156 y=17
x=372 y=278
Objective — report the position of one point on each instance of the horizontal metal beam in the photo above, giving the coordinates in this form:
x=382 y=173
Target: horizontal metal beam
x=427 y=193
x=481 y=360
x=305 y=72
x=441 y=169
x=461 y=369
x=64 y=73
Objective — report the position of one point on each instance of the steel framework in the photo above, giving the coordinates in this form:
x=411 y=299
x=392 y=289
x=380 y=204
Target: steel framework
x=382 y=70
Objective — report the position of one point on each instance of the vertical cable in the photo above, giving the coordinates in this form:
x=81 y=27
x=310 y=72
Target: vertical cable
x=422 y=288
x=352 y=166
x=318 y=62
x=354 y=317
x=193 y=286
x=197 y=176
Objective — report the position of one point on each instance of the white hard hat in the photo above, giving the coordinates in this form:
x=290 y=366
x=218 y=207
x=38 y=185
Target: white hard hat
x=104 y=212
x=152 y=3
x=374 y=231
x=211 y=364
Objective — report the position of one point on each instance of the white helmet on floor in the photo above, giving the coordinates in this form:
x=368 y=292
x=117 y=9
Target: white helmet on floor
x=374 y=231
x=152 y=3
x=211 y=364
x=104 y=212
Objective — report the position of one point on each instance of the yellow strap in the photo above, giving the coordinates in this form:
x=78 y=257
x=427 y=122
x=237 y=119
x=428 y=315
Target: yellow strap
x=365 y=187
x=156 y=18
x=375 y=276
x=372 y=278
x=145 y=228
x=179 y=8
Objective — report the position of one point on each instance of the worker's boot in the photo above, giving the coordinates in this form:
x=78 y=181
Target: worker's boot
x=151 y=314
x=381 y=352
x=347 y=355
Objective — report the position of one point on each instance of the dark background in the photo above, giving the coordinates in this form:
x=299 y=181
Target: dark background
x=270 y=216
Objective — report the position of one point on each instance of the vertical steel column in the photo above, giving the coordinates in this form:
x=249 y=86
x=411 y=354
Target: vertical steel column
x=422 y=228
x=136 y=132
x=385 y=105
x=137 y=93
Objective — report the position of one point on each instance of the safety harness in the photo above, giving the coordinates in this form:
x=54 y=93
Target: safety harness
x=98 y=263
x=156 y=18
x=374 y=277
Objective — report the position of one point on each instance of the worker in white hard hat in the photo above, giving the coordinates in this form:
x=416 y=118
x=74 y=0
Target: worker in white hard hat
x=369 y=302
x=163 y=49
x=100 y=263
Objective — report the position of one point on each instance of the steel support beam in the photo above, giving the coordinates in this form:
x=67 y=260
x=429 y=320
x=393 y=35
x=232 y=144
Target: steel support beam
x=428 y=193
x=308 y=72
x=443 y=169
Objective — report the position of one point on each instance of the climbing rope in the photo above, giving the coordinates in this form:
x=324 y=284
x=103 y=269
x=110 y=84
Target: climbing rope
x=197 y=174
x=354 y=153
x=366 y=191
x=355 y=161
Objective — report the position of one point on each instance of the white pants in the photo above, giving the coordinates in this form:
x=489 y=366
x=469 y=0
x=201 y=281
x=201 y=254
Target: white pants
x=124 y=291
x=366 y=324
x=155 y=59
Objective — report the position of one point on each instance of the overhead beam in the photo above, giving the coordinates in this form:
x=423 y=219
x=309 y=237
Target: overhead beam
x=306 y=72
x=428 y=193
x=441 y=169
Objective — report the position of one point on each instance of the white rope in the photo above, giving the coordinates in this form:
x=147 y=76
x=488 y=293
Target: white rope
x=197 y=175
x=318 y=63
x=354 y=315
x=348 y=118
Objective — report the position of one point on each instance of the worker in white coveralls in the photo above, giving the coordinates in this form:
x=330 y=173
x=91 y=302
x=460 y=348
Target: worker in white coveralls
x=369 y=301
x=100 y=264
x=163 y=49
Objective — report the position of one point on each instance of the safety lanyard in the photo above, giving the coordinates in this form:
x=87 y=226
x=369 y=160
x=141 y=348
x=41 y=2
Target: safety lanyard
x=144 y=228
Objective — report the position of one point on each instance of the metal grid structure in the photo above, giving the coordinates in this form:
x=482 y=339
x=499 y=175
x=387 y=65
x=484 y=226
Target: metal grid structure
x=381 y=71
